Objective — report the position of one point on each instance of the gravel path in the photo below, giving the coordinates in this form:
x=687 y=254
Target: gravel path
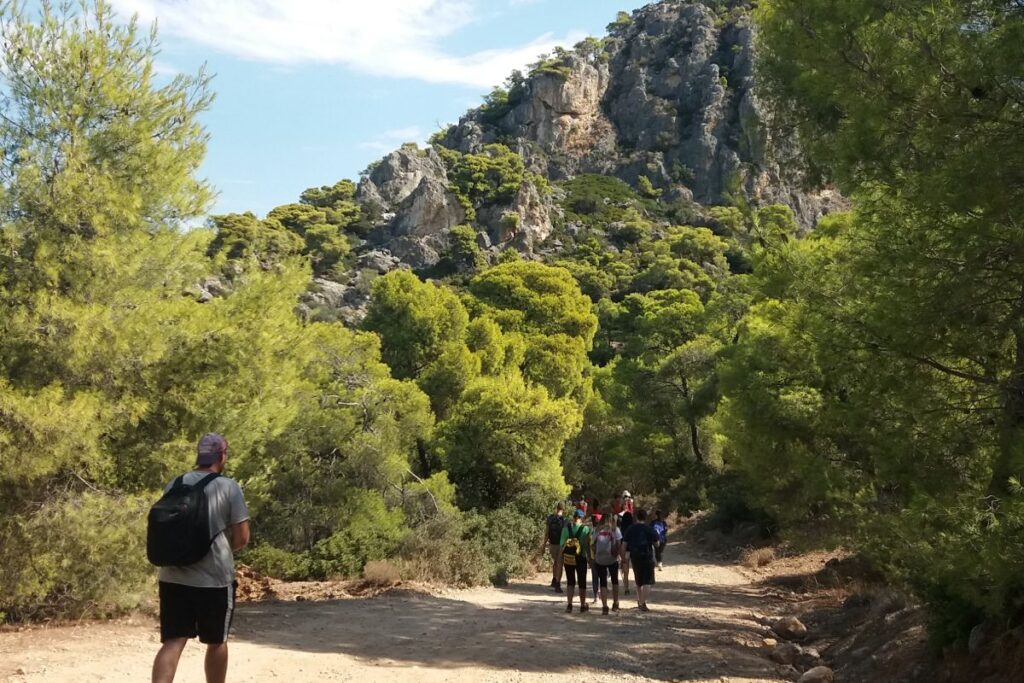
x=700 y=630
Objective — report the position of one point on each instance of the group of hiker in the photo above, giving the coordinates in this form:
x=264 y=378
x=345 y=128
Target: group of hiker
x=607 y=541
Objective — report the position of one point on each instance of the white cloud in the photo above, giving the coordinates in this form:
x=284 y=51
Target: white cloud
x=391 y=139
x=395 y=38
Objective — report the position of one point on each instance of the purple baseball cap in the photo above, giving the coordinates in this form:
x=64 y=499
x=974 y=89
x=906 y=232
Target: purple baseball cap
x=211 y=448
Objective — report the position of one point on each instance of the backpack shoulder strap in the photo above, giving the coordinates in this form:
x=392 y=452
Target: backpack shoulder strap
x=202 y=483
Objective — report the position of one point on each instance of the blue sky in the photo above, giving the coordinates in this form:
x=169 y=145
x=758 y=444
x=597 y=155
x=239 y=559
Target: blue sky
x=311 y=91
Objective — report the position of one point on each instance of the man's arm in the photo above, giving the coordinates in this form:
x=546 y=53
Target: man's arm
x=239 y=535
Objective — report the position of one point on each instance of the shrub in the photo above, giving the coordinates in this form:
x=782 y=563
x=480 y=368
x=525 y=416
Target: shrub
x=268 y=560
x=472 y=549
x=381 y=573
x=757 y=557
x=370 y=532
x=77 y=556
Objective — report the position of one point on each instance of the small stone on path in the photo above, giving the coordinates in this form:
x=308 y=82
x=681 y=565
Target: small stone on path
x=819 y=674
x=786 y=653
x=790 y=628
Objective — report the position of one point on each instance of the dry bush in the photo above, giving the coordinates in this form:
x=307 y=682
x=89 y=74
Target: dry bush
x=755 y=558
x=381 y=573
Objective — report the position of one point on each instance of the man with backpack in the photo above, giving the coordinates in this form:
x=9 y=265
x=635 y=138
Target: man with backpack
x=193 y=532
x=640 y=540
x=554 y=525
x=575 y=543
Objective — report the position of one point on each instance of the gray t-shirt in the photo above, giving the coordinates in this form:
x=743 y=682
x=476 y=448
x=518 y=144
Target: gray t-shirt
x=227 y=507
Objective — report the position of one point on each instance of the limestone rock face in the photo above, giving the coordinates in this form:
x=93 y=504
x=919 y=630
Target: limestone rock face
x=410 y=187
x=674 y=99
x=670 y=97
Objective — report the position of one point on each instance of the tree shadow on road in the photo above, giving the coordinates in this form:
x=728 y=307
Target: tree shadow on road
x=527 y=632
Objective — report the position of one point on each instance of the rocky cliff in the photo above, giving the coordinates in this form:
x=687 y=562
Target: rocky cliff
x=669 y=97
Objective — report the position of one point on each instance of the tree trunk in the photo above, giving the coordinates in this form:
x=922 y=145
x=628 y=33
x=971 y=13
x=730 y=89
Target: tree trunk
x=421 y=451
x=695 y=442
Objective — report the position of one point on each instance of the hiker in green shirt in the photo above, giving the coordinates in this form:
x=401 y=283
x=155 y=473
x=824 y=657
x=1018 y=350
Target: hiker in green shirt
x=576 y=552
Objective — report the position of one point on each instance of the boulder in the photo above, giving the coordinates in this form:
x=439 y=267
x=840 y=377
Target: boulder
x=808 y=658
x=981 y=635
x=379 y=260
x=326 y=293
x=398 y=175
x=819 y=674
x=785 y=653
x=790 y=628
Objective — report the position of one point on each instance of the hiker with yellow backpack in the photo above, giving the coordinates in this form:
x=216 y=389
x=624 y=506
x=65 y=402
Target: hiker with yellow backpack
x=576 y=553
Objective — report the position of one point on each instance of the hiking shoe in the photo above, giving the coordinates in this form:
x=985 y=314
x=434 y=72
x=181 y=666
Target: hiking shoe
x=558 y=589
x=660 y=566
x=645 y=608
x=627 y=591
x=568 y=608
x=615 y=607
x=584 y=608
x=604 y=610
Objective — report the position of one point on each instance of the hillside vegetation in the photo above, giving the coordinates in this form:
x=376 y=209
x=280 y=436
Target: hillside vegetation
x=415 y=366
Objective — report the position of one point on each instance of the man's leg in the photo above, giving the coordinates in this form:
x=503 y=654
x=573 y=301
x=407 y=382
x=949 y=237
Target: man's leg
x=581 y=578
x=166 y=662
x=216 y=663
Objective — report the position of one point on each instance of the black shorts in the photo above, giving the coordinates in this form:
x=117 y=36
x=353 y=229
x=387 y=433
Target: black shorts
x=577 y=574
x=608 y=570
x=187 y=612
x=643 y=569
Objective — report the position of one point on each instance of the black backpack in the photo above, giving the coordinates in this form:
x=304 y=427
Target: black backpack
x=555 y=526
x=179 y=525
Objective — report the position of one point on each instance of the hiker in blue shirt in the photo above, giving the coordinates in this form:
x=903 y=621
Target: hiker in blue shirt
x=661 y=528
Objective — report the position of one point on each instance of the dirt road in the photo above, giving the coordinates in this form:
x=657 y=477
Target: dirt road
x=700 y=630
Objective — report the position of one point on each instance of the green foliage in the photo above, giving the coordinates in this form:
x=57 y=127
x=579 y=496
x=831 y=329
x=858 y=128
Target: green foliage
x=464 y=255
x=92 y=145
x=623 y=20
x=895 y=339
x=243 y=237
x=504 y=437
x=367 y=531
x=592 y=50
x=595 y=200
x=500 y=101
x=544 y=306
x=78 y=554
x=646 y=189
x=414 y=320
x=495 y=175
x=558 y=64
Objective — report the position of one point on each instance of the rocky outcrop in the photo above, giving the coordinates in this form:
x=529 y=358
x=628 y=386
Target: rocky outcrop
x=524 y=224
x=670 y=97
x=673 y=98
x=410 y=188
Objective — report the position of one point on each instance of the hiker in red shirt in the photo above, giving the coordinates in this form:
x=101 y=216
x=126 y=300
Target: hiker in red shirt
x=623 y=504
